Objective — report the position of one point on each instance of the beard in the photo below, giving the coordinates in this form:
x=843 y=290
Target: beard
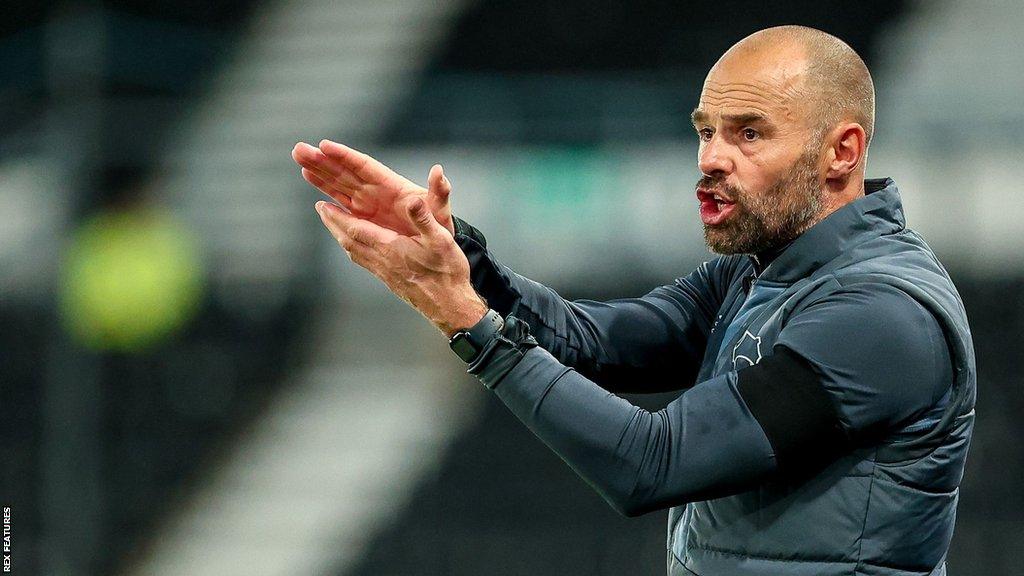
x=774 y=218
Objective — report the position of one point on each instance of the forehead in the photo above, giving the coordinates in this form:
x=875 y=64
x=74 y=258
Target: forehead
x=755 y=84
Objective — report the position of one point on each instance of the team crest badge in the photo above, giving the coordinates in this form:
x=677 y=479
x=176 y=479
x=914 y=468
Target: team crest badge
x=747 y=351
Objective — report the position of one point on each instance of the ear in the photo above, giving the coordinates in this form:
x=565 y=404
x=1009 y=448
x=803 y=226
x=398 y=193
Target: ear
x=846 y=152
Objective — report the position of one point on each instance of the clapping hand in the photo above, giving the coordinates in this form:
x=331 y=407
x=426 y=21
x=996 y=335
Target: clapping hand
x=370 y=190
x=391 y=227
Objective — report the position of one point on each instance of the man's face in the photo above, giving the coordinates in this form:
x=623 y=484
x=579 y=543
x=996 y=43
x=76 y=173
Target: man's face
x=759 y=154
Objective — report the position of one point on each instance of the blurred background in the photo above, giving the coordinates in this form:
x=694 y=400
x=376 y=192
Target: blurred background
x=195 y=380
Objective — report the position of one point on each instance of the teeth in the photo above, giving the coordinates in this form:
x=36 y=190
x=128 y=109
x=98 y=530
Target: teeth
x=720 y=204
x=718 y=198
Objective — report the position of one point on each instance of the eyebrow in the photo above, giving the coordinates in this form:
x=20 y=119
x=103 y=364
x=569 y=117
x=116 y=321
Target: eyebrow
x=700 y=116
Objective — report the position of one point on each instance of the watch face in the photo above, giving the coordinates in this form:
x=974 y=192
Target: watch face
x=463 y=347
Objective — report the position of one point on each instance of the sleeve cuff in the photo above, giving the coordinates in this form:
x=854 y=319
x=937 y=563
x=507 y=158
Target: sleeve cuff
x=484 y=271
x=502 y=352
x=463 y=228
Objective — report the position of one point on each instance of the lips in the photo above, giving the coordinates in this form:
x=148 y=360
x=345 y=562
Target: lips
x=714 y=207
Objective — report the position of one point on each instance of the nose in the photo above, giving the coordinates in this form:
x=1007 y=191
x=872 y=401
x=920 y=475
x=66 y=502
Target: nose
x=713 y=158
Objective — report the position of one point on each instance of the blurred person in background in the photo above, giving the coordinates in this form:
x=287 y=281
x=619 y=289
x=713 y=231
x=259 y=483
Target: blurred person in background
x=825 y=357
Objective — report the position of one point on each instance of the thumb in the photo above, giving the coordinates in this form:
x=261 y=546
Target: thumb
x=439 y=190
x=438 y=186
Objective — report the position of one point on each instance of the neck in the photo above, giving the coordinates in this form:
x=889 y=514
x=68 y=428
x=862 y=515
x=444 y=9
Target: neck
x=839 y=193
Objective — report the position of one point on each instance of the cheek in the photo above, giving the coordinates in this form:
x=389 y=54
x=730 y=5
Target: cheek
x=760 y=169
x=753 y=177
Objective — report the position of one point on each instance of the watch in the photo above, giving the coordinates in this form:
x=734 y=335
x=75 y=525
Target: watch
x=467 y=343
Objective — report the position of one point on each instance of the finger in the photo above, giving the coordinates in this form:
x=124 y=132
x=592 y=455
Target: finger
x=362 y=165
x=306 y=155
x=326 y=187
x=302 y=152
x=329 y=181
x=353 y=227
x=362 y=255
x=422 y=218
x=312 y=158
x=367 y=257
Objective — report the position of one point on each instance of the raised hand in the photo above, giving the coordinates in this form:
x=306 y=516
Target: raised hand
x=370 y=190
x=427 y=269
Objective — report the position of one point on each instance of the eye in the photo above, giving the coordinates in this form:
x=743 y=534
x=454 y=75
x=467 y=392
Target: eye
x=705 y=134
x=749 y=134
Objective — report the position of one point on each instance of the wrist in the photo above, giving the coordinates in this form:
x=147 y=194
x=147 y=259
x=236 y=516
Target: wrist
x=502 y=352
x=465 y=317
x=470 y=342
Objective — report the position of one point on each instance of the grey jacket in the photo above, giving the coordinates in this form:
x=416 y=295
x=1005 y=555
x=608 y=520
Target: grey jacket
x=827 y=409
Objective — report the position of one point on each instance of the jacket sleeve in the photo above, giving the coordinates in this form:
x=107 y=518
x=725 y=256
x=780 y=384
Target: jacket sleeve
x=653 y=343
x=704 y=444
x=878 y=357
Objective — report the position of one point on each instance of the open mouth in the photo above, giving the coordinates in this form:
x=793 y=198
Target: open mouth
x=714 y=208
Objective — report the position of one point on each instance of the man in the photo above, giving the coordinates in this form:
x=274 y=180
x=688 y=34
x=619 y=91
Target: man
x=826 y=358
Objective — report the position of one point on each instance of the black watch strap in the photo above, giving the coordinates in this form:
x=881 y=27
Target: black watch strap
x=467 y=343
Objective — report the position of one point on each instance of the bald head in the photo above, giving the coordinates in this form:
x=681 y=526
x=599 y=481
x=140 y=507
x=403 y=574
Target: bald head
x=833 y=79
x=784 y=121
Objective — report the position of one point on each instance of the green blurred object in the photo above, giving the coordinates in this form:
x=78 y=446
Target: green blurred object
x=131 y=278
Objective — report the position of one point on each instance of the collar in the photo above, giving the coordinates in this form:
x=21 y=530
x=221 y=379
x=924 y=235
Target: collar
x=763 y=259
x=878 y=212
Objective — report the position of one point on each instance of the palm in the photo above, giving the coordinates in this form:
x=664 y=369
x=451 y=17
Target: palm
x=370 y=190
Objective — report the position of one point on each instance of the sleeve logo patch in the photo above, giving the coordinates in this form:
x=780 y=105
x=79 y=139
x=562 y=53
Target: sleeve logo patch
x=747 y=351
